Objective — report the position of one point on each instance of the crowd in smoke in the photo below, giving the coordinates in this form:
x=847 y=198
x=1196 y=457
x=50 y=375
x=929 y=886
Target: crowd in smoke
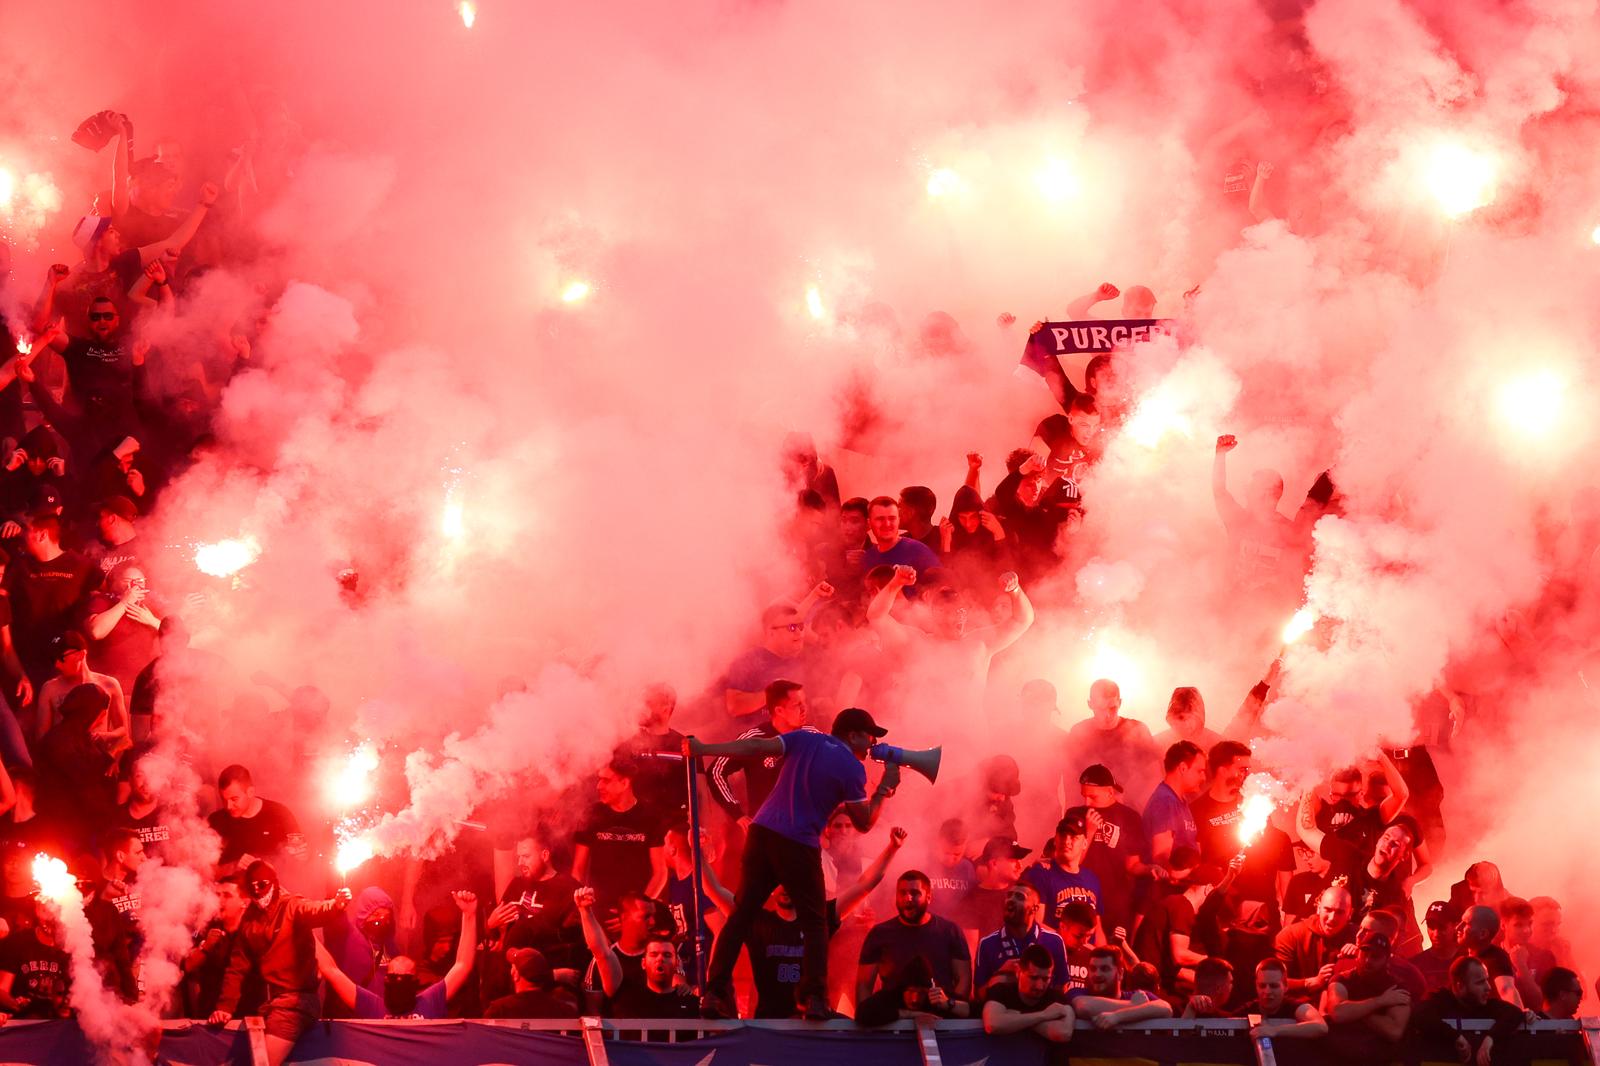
x=324 y=434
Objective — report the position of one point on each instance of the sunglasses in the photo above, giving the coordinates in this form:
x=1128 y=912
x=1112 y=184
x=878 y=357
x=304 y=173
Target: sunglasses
x=259 y=887
x=793 y=627
x=102 y=316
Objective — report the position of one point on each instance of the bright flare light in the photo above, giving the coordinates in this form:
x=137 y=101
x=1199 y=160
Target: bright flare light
x=1299 y=625
x=1532 y=404
x=55 y=881
x=1261 y=796
x=350 y=784
x=453 y=520
x=8 y=187
x=353 y=851
x=576 y=292
x=1155 y=417
x=1108 y=662
x=226 y=557
x=814 y=303
x=943 y=182
x=1460 y=179
x=24 y=346
x=469 y=13
x=1595 y=235
x=1056 y=181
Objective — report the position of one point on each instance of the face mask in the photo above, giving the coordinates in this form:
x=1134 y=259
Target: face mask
x=263 y=893
x=400 y=994
x=379 y=930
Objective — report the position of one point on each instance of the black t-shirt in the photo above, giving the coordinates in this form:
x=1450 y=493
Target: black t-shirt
x=890 y=945
x=1216 y=823
x=776 y=947
x=48 y=594
x=43 y=974
x=153 y=829
x=100 y=372
x=1007 y=995
x=1351 y=824
x=662 y=784
x=1366 y=891
x=1494 y=959
x=262 y=836
x=531 y=1004
x=619 y=844
x=632 y=971
x=640 y=1001
x=548 y=917
x=1174 y=914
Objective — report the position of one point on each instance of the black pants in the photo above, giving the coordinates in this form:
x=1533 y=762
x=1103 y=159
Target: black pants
x=770 y=860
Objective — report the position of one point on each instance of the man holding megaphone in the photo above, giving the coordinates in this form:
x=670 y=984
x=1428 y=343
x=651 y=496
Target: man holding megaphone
x=819 y=773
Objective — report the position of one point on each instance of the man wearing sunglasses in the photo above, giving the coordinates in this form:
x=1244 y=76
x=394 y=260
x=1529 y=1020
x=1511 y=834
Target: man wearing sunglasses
x=100 y=358
x=780 y=655
x=275 y=943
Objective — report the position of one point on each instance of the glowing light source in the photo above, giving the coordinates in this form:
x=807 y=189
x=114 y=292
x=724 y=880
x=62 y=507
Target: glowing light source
x=943 y=182
x=226 y=557
x=1298 y=626
x=814 y=305
x=1157 y=415
x=1261 y=796
x=469 y=13
x=24 y=346
x=55 y=881
x=1109 y=662
x=1595 y=235
x=453 y=520
x=576 y=292
x=1056 y=181
x=1460 y=179
x=353 y=851
x=350 y=783
x=1532 y=404
x=8 y=187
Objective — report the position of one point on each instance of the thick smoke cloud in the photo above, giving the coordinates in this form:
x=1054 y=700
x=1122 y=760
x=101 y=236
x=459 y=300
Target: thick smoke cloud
x=552 y=504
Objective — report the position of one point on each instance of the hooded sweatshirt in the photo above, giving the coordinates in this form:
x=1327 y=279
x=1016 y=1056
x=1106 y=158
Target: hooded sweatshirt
x=277 y=943
x=359 y=957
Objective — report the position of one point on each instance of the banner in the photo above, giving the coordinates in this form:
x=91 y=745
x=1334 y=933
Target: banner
x=470 y=1043
x=1047 y=344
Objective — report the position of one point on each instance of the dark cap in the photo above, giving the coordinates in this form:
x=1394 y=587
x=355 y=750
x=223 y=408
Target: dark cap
x=855 y=720
x=1372 y=938
x=1438 y=913
x=531 y=965
x=1073 y=824
x=120 y=506
x=69 y=641
x=1003 y=847
x=1100 y=776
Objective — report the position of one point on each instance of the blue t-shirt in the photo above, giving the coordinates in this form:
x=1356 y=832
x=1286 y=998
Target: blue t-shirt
x=819 y=772
x=1167 y=813
x=906 y=552
x=430 y=1004
x=1058 y=887
x=757 y=668
x=999 y=947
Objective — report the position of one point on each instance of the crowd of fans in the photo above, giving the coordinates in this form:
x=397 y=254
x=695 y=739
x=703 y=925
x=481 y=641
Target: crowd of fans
x=1144 y=902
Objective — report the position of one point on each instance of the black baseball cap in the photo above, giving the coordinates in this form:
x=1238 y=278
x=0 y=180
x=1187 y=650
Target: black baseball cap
x=1372 y=938
x=1438 y=913
x=1100 y=776
x=855 y=720
x=998 y=847
x=1073 y=824
x=531 y=965
x=71 y=640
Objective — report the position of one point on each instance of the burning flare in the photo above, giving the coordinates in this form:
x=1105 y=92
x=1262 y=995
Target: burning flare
x=576 y=292
x=55 y=881
x=943 y=182
x=353 y=851
x=1298 y=626
x=1056 y=181
x=814 y=302
x=350 y=783
x=1262 y=795
x=226 y=557
x=1460 y=179
x=1532 y=404
x=469 y=12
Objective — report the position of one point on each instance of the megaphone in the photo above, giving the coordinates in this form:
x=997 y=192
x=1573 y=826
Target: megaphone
x=924 y=761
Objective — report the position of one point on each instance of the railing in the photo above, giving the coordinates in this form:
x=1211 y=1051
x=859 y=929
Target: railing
x=617 y=1042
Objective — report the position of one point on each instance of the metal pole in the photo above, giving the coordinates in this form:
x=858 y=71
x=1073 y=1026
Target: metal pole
x=929 y=1043
x=1263 y=1046
x=1591 y=1038
x=702 y=950
x=594 y=1041
x=255 y=1030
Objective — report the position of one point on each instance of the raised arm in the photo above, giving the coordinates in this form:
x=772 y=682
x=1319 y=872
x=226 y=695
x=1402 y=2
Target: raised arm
x=1021 y=616
x=850 y=898
x=119 y=169
x=183 y=234
x=1226 y=505
x=751 y=747
x=467 y=949
x=1079 y=308
x=606 y=962
x=44 y=307
x=878 y=610
x=1399 y=792
x=1258 y=193
x=974 y=468
x=339 y=981
x=864 y=813
x=1307 y=822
